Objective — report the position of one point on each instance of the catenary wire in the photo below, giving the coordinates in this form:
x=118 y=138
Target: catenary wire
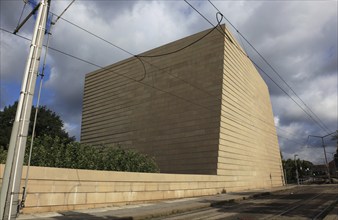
x=52 y=23
x=203 y=90
x=106 y=69
x=234 y=119
x=23 y=9
x=141 y=56
x=157 y=55
x=273 y=69
x=230 y=41
x=138 y=56
x=60 y=17
x=56 y=20
x=317 y=123
x=308 y=115
x=256 y=117
x=143 y=64
x=219 y=20
x=180 y=49
x=24 y=194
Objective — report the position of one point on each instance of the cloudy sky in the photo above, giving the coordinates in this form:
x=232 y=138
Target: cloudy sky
x=298 y=38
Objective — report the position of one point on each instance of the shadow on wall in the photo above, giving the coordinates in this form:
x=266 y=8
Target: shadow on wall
x=73 y=190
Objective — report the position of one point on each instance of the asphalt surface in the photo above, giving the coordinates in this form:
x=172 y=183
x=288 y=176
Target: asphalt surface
x=306 y=202
x=303 y=202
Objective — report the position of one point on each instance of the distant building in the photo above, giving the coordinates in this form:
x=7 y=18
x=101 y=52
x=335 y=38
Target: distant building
x=333 y=167
x=319 y=170
x=202 y=110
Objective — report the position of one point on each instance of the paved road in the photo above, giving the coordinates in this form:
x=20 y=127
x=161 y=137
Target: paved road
x=303 y=202
x=306 y=202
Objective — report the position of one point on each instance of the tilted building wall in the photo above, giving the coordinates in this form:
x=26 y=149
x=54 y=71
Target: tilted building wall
x=248 y=146
x=202 y=110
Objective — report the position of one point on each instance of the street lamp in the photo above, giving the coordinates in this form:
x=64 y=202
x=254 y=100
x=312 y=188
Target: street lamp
x=326 y=163
x=297 y=177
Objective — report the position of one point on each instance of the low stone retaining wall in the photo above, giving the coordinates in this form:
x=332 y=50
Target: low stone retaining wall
x=55 y=189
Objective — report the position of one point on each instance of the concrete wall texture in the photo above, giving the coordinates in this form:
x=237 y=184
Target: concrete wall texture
x=202 y=110
x=56 y=189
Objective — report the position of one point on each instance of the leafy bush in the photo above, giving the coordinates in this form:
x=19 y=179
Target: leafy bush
x=55 y=152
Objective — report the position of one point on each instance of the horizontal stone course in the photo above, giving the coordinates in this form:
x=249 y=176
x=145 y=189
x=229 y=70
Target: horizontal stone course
x=54 y=189
x=237 y=115
x=175 y=104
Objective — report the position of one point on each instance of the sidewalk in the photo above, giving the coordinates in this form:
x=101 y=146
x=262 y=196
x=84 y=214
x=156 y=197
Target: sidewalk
x=152 y=210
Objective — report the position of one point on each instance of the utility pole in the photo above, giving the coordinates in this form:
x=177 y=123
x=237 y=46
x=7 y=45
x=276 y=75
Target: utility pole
x=9 y=203
x=297 y=175
x=326 y=163
x=285 y=177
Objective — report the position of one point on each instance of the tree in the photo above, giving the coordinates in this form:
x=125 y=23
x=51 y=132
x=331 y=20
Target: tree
x=54 y=148
x=48 y=123
x=335 y=156
x=304 y=169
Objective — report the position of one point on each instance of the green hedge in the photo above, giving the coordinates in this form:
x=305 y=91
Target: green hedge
x=53 y=152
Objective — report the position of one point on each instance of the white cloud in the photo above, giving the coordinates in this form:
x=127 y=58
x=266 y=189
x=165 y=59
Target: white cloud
x=276 y=120
x=13 y=57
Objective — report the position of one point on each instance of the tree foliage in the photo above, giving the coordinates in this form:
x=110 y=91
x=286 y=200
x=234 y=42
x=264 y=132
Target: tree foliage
x=48 y=123
x=55 y=152
x=53 y=147
x=335 y=156
x=304 y=169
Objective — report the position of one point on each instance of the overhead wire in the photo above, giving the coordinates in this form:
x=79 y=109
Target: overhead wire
x=138 y=56
x=234 y=119
x=219 y=20
x=259 y=67
x=37 y=106
x=109 y=70
x=157 y=55
x=42 y=74
x=182 y=48
x=227 y=116
x=23 y=9
x=308 y=115
x=142 y=56
x=265 y=73
x=274 y=70
x=58 y=17
x=226 y=35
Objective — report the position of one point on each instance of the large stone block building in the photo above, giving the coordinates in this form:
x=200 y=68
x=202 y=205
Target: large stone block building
x=202 y=110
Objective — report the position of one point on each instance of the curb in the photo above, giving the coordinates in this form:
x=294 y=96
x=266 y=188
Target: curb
x=192 y=207
x=217 y=203
x=158 y=212
x=170 y=211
